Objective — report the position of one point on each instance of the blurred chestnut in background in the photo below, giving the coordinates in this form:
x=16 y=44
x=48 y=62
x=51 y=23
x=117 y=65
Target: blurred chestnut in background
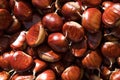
x=4 y=75
x=5 y=19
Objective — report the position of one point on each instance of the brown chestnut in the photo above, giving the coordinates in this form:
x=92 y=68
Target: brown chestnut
x=73 y=31
x=91 y=22
x=53 y=22
x=58 y=42
x=46 y=75
x=111 y=49
x=115 y=75
x=92 y=60
x=72 y=73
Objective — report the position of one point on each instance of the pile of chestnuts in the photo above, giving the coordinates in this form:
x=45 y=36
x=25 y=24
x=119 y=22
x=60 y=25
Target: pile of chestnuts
x=59 y=39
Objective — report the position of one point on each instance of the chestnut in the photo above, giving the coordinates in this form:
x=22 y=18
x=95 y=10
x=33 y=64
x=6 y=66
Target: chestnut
x=4 y=75
x=107 y=4
x=47 y=54
x=41 y=4
x=92 y=60
x=72 y=73
x=20 y=61
x=111 y=49
x=73 y=31
x=58 y=42
x=22 y=11
x=78 y=49
x=71 y=10
x=91 y=3
x=94 y=39
x=4 y=4
x=46 y=75
x=91 y=22
x=115 y=75
x=36 y=34
x=53 y=22
x=111 y=16
x=5 y=19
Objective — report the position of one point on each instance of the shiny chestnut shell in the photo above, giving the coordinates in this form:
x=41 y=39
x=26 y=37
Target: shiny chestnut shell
x=115 y=75
x=111 y=49
x=91 y=22
x=111 y=15
x=53 y=22
x=73 y=31
x=71 y=10
x=58 y=42
x=72 y=73
x=92 y=60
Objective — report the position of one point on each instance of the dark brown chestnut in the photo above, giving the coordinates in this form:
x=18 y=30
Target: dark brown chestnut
x=73 y=31
x=91 y=22
x=58 y=42
x=53 y=22
x=94 y=39
x=5 y=19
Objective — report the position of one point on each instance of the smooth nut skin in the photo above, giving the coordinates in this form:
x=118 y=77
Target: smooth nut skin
x=111 y=49
x=73 y=30
x=94 y=39
x=71 y=10
x=5 y=19
x=111 y=16
x=115 y=75
x=92 y=60
x=91 y=22
x=58 y=42
x=71 y=73
x=35 y=35
x=21 y=61
x=46 y=75
x=91 y=3
x=22 y=11
x=4 y=75
x=53 y=22
x=41 y=4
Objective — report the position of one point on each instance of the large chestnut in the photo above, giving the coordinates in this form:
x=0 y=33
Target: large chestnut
x=111 y=16
x=91 y=22
x=73 y=31
x=53 y=22
x=58 y=42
